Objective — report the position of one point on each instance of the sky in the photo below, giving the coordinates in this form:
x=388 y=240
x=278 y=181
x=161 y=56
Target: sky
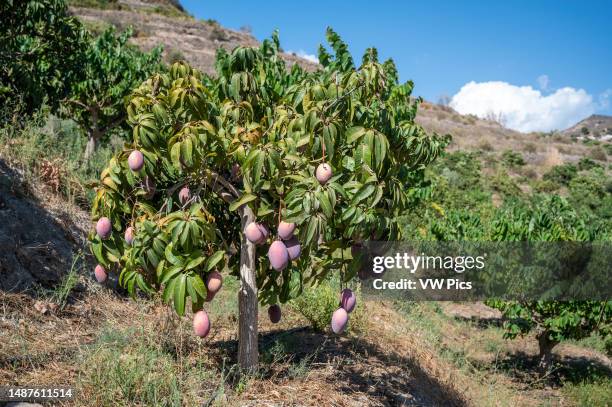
x=537 y=65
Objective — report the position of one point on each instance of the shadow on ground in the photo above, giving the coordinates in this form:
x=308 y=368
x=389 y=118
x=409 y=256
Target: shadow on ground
x=574 y=369
x=34 y=249
x=359 y=367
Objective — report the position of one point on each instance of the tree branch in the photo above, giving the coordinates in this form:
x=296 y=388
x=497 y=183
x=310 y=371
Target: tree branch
x=211 y=178
x=220 y=186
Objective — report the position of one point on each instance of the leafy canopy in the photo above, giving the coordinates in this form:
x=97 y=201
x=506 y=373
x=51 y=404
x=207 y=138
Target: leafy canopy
x=255 y=134
x=41 y=47
x=111 y=69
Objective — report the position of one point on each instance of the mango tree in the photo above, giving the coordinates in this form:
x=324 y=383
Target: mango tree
x=259 y=160
x=41 y=49
x=543 y=219
x=110 y=69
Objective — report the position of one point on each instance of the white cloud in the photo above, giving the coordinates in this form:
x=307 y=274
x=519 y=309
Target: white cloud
x=303 y=54
x=604 y=99
x=543 y=81
x=523 y=108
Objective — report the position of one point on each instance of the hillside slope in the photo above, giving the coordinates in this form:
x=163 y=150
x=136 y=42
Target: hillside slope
x=182 y=36
x=596 y=126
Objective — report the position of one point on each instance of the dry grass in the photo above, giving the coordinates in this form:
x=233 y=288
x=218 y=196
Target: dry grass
x=110 y=348
x=117 y=351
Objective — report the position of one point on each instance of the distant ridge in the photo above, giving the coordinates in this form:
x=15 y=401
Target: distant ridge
x=596 y=126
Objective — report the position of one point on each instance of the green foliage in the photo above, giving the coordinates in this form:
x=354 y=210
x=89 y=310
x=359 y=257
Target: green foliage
x=111 y=69
x=591 y=191
x=277 y=125
x=512 y=158
x=590 y=393
x=317 y=305
x=546 y=186
x=561 y=320
x=41 y=49
x=540 y=219
x=586 y=164
x=561 y=174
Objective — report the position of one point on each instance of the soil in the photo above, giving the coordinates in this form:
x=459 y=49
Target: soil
x=37 y=244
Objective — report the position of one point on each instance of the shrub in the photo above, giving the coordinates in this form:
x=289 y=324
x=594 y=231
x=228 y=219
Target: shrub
x=175 y=55
x=485 y=145
x=530 y=148
x=512 y=158
x=546 y=186
x=586 y=163
x=561 y=174
x=317 y=305
x=598 y=153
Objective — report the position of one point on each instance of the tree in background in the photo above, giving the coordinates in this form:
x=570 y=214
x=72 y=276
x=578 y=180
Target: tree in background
x=110 y=70
x=41 y=51
x=541 y=219
x=323 y=160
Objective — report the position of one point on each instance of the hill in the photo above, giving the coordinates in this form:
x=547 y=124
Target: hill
x=594 y=127
x=165 y=22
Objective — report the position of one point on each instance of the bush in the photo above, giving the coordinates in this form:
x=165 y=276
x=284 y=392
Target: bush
x=512 y=158
x=317 y=304
x=175 y=55
x=598 y=153
x=505 y=185
x=591 y=190
x=546 y=186
x=561 y=174
x=586 y=164
x=485 y=145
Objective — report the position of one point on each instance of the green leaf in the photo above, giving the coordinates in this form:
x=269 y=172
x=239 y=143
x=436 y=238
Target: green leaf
x=364 y=192
x=354 y=133
x=312 y=229
x=244 y=199
x=214 y=260
x=171 y=257
x=179 y=294
x=187 y=152
x=325 y=204
x=195 y=263
x=199 y=286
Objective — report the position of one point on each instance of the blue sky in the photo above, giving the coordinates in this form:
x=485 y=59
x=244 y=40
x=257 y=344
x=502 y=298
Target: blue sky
x=444 y=45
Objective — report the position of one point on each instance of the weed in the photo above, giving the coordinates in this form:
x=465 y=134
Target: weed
x=62 y=291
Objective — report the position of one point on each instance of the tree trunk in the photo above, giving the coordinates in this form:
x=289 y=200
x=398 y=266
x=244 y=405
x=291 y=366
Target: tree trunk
x=94 y=133
x=92 y=144
x=546 y=347
x=248 y=353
